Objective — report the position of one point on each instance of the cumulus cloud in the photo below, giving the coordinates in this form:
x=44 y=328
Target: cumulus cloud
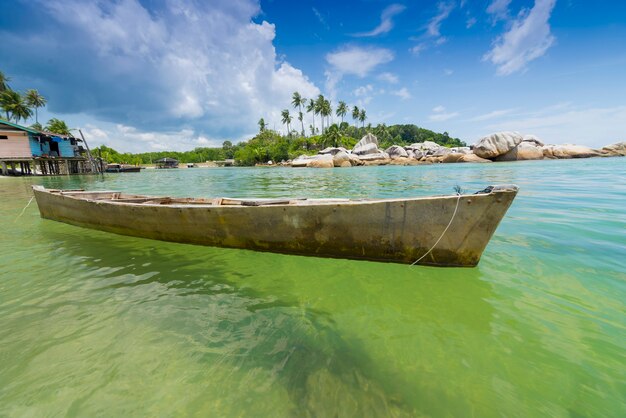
x=202 y=65
x=528 y=38
x=386 y=21
x=353 y=60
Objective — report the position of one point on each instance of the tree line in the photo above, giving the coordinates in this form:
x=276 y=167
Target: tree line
x=18 y=106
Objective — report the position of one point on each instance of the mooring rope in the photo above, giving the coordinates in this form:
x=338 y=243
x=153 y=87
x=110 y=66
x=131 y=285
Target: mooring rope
x=444 y=231
x=24 y=210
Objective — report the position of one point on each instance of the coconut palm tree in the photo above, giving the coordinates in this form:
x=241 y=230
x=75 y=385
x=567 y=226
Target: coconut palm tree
x=57 y=126
x=321 y=107
x=20 y=110
x=332 y=137
x=355 y=114
x=3 y=82
x=13 y=105
x=287 y=119
x=362 y=117
x=328 y=110
x=262 y=125
x=342 y=109
x=298 y=101
x=310 y=108
x=36 y=100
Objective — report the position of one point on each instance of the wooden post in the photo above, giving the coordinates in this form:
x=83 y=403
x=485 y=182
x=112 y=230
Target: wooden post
x=94 y=167
x=4 y=168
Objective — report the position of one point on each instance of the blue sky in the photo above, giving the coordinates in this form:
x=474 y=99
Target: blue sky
x=165 y=74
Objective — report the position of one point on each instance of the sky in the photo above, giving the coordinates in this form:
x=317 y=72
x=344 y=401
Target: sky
x=150 y=75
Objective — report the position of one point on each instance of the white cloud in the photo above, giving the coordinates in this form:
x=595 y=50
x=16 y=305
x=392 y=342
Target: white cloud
x=434 y=25
x=386 y=22
x=440 y=114
x=492 y=115
x=358 y=61
x=363 y=90
x=203 y=64
x=499 y=10
x=448 y=71
x=320 y=18
x=126 y=138
x=402 y=93
x=440 y=117
x=388 y=77
x=432 y=35
x=417 y=49
x=353 y=60
x=471 y=21
x=528 y=39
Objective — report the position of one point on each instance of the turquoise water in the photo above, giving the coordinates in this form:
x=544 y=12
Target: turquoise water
x=95 y=324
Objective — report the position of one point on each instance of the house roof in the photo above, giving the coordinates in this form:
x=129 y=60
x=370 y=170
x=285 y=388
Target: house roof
x=20 y=127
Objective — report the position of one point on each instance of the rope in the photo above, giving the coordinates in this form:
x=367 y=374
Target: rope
x=444 y=231
x=24 y=210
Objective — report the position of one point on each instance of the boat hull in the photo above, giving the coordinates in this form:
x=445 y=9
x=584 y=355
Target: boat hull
x=391 y=230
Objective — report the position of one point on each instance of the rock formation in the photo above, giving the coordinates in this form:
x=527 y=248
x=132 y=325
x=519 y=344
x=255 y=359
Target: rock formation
x=496 y=144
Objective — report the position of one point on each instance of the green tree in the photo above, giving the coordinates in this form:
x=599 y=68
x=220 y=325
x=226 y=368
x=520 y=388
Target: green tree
x=319 y=108
x=14 y=106
x=310 y=108
x=327 y=111
x=4 y=80
x=227 y=147
x=297 y=101
x=342 y=109
x=262 y=125
x=355 y=114
x=57 y=126
x=8 y=99
x=332 y=137
x=362 y=117
x=36 y=100
x=286 y=118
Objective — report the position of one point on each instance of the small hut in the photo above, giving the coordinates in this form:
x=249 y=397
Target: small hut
x=166 y=162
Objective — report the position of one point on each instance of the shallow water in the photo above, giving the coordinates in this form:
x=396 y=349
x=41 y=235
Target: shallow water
x=95 y=324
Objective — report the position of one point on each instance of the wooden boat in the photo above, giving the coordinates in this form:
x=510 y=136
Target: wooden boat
x=448 y=230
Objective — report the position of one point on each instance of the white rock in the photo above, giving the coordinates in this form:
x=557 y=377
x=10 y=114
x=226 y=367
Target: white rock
x=367 y=145
x=496 y=144
x=523 y=151
x=341 y=157
x=532 y=138
x=569 y=151
x=396 y=151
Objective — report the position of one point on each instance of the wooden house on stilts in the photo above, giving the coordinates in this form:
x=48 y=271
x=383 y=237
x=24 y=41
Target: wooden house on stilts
x=27 y=151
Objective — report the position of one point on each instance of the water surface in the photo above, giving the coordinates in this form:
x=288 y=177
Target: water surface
x=95 y=324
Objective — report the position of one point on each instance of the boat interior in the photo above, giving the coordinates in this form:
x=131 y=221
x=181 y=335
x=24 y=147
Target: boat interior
x=118 y=197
